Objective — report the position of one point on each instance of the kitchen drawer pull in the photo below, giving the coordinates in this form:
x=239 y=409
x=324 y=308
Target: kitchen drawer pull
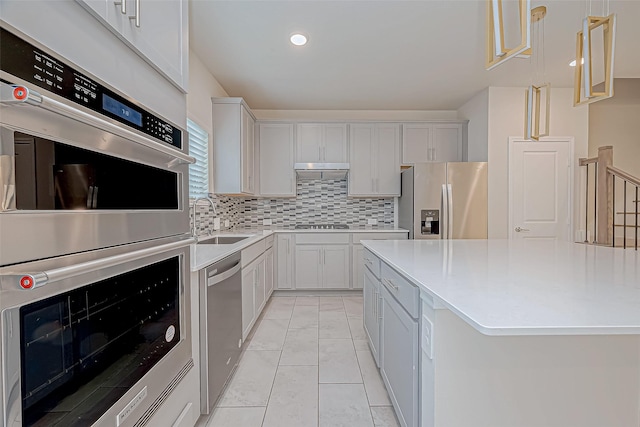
x=123 y=6
x=390 y=283
x=136 y=18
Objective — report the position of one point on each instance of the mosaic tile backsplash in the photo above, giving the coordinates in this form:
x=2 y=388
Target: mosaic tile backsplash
x=317 y=202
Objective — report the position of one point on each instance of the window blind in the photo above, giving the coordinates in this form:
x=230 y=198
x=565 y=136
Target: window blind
x=199 y=171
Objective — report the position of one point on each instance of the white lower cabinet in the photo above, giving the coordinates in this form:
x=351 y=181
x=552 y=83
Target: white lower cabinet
x=322 y=261
x=357 y=260
x=372 y=313
x=284 y=261
x=268 y=272
x=253 y=293
x=399 y=359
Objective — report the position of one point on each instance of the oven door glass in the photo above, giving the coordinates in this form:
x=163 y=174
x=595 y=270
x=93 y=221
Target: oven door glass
x=82 y=350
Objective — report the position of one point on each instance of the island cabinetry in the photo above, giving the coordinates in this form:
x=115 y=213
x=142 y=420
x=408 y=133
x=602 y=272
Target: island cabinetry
x=371 y=297
x=322 y=261
x=432 y=142
x=275 y=145
x=284 y=261
x=321 y=143
x=374 y=150
x=399 y=345
x=156 y=30
x=233 y=147
x=358 y=261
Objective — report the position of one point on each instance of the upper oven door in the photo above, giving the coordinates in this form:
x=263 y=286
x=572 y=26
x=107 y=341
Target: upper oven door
x=71 y=181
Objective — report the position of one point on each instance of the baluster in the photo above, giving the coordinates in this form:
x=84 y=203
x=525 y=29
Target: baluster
x=624 y=215
x=613 y=211
x=637 y=203
x=586 y=208
x=595 y=205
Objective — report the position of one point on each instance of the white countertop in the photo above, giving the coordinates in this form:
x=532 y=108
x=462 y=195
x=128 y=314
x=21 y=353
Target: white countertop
x=519 y=287
x=203 y=255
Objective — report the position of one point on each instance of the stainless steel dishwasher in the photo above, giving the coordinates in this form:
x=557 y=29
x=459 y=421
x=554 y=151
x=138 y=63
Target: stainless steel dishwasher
x=220 y=327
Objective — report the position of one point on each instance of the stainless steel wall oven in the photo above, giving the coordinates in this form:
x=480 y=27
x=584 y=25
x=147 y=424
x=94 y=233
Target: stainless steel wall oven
x=94 y=247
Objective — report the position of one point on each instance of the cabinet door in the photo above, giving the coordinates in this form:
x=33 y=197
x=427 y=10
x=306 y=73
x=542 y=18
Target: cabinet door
x=308 y=267
x=447 y=142
x=284 y=260
x=335 y=266
x=248 y=299
x=370 y=309
x=246 y=138
x=276 y=160
x=416 y=143
x=334 y=148
x=399 y=352
x=388 y=160
x=309 y=143
x=268 y=273
x=357 y=263
x=361 y=172
x=260 y=286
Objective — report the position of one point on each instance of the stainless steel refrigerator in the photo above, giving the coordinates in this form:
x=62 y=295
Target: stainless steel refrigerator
x=444 y=201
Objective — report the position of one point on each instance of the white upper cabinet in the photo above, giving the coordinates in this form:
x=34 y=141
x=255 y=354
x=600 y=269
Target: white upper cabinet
x=321 y=143
x=233 y=147
x=156 y=30
x=432 y=142
x=374 y=150
x=275 y=142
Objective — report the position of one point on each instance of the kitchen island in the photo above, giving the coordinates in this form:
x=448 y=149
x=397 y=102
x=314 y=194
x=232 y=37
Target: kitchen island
x=515 y=333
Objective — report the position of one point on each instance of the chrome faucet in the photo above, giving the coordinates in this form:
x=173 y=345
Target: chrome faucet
x=194 y=228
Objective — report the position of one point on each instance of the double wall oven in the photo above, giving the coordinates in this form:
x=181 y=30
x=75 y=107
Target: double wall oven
x=94 y=247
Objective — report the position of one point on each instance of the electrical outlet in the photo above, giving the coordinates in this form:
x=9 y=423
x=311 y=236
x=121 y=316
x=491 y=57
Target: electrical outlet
x=267 y=222
x=372 y=221
x=226 y=222
x=216 y=223
x=427 y=337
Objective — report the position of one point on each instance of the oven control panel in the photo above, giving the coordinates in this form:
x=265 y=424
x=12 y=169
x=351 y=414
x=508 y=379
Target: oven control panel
x=19 y=58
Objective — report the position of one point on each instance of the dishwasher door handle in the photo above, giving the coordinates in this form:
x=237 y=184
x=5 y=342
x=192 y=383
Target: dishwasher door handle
x=212 y=280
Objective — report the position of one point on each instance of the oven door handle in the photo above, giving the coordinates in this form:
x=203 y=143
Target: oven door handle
x=34 y=280
x=14 y=94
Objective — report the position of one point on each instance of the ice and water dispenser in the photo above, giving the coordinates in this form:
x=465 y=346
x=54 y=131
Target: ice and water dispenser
x=430 y=222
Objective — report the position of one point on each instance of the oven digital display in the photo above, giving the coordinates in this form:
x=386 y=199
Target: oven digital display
x=121 y=110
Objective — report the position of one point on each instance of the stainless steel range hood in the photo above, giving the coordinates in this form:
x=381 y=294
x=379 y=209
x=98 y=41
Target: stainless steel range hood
x=321 y=170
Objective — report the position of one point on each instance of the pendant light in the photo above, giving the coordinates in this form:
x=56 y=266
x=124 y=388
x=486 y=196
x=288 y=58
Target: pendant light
x=538 y=95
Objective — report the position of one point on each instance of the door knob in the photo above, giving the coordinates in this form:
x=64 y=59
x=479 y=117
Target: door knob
x=518 y=229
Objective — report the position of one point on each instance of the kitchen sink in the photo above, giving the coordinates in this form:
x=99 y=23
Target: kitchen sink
x=223 y=240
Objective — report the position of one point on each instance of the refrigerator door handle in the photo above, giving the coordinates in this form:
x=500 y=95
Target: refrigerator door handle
x=449 y=212
x=444 y=232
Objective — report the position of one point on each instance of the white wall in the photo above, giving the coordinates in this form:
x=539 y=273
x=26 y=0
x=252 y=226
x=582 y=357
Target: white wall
x=202 y=87
x=505 y=119
x=476 y=110
x=383 y=115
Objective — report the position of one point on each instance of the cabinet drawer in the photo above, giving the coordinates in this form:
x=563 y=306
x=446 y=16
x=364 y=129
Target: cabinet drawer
x=407 y=294
x=321 y=238
x=268 y=241
x=357 y=237
x=372 y=262
x=252 y=252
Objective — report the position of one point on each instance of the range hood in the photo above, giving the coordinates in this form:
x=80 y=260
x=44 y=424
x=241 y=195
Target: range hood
x=321 y=170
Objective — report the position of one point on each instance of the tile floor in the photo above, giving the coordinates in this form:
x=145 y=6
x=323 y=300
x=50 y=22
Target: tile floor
x=307 y=365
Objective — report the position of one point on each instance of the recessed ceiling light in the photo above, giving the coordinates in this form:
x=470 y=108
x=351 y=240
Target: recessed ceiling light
x=573 y=63
x=298 y=39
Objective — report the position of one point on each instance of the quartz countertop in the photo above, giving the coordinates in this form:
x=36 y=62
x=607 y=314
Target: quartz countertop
x=520 y=287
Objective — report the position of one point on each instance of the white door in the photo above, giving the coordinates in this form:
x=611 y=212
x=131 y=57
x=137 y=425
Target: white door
x=540 y=177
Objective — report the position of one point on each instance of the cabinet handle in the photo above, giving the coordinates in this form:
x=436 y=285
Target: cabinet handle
x=319 y=155
x=378 y=305
x=288 y=251
x=390 y=283
x=375 y=305
x=324 y=153
x=136 y=17
x=122 y=4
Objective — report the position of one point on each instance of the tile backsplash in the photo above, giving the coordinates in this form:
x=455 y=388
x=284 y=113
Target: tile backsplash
x=317 y=202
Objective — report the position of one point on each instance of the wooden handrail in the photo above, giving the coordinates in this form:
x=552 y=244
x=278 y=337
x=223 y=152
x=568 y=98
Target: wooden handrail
x=623 y=175
x=584 y=162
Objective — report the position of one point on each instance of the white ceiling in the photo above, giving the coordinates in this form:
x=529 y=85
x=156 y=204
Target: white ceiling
x=382 y=55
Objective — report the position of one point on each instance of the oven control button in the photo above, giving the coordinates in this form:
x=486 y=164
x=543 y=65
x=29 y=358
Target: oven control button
x=26 y=282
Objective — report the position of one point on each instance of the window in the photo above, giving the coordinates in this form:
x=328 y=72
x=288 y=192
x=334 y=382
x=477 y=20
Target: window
x=199 y=171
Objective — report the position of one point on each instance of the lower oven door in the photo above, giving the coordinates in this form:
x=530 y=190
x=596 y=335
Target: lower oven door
x=98 y=338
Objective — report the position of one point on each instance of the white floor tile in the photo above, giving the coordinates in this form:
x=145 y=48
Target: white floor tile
x=237 y=417
x=304 y=316
x=353 y=306
x=333 y=324
x=279 y=308
x=307 y=301
x=344 y=405
x=331 y=304
x=384 y=416
x=337 y=361
x=356 y=328
x=294 y=398
x=300 y=347
x=361 y=345
x=376 y=391
x=252 y=381
x=269 y=335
